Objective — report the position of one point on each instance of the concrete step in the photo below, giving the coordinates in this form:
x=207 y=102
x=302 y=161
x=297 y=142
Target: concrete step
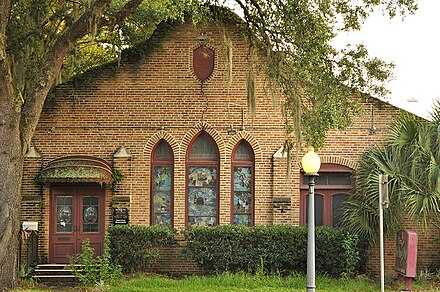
x=56 y=278
x=55 y=266
x=54 y=273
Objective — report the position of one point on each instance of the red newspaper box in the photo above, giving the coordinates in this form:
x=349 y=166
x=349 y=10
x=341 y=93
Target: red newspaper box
x=406 y=255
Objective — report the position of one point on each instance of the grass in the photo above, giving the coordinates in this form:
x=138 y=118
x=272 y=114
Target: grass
x=245 y=282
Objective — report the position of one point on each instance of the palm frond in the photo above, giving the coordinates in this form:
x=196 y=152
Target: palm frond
x=411 y=159
x=421 y=205
x=403 y=131
x=435 y=113
x=360 y=214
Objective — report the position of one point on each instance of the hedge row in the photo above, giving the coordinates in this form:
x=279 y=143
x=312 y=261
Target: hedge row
x=275 y=249
x=135 y=248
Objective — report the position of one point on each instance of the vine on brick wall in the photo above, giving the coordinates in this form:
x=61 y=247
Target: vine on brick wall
x=117 y=178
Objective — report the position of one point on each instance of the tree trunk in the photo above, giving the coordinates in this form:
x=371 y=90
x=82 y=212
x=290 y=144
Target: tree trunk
x=19 y=118
x=11 y=162
x=11 y=165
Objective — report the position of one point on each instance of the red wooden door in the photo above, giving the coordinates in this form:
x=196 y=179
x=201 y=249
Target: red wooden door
x=77 y=213
x=327 y=206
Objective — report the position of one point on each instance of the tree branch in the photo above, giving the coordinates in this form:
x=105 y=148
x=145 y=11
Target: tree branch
x=51 y=67
x=6 y=89
x=5 y=11
x=259 y=23
x=127 y=10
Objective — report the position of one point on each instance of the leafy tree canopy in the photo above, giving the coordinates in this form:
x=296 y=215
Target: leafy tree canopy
x=318 y=80
x=36 y=25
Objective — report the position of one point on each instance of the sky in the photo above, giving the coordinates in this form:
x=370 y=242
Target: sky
x=413 y=44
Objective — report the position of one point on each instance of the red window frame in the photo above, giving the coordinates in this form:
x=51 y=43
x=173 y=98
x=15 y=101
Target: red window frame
x=326 y=191
x=162 y=162
x=246 y=163
x=200 y=162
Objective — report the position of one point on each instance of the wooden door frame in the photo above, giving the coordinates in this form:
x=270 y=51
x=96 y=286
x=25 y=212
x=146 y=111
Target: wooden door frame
x=75 y=190
x=327 y=204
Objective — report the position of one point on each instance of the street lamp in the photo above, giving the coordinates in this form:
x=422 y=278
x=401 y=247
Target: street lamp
x=311 y=164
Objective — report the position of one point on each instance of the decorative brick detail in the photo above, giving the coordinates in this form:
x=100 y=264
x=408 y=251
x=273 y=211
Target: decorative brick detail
x=148 y=148
x=339 y=160
x=190 y=60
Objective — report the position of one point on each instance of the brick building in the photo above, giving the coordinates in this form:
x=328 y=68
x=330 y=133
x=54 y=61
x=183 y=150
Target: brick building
x=190 y=152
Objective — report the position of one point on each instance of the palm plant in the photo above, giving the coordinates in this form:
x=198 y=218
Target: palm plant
x=411 y=158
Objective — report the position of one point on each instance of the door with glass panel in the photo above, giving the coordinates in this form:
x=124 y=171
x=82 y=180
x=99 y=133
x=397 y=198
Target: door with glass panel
x=333 y=187
x=77 y=213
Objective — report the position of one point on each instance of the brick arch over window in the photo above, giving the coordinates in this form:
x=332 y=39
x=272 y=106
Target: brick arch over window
x=243 y=135
x=148 y=148
x=203 y=126
x=202 y=181
x=328 y=159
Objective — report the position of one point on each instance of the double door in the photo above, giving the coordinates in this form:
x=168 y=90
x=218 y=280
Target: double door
x=76 y=214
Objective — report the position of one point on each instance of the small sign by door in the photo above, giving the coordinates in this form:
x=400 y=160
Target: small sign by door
x=30 y=225
x=120 y=216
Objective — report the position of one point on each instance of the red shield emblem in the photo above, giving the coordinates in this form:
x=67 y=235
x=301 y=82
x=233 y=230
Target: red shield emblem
x=203 y=62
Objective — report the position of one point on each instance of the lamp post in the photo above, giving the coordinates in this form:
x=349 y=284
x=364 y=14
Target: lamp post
x=311 y=164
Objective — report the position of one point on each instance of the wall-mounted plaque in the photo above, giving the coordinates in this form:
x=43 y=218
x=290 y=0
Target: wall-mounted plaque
x=120 y=216
x=203 y=62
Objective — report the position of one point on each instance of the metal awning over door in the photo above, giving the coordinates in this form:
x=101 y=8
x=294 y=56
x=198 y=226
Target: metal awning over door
x=76 y=169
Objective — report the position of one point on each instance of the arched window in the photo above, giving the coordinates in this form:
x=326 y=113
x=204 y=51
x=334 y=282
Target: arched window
x=162 y=184
x=202 y=173
x=333 y=186
x=243 y=184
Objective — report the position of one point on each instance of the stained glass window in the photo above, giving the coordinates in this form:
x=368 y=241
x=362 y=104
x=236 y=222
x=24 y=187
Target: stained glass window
x=64 y=213
x=242 y=185
x=204 y=148
x=162 y=185
x=202 y=182
x=90 y=215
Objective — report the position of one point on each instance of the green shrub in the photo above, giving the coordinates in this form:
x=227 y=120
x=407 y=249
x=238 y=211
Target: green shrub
x=135 y=248
x=94 y=271
x=276 y=249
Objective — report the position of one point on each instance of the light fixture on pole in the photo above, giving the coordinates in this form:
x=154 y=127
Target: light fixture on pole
x=311 y=164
